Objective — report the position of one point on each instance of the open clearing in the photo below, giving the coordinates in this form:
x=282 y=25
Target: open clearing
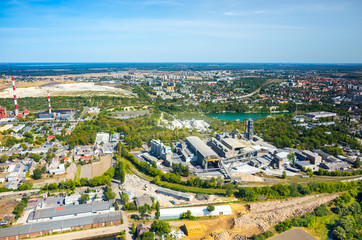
x=7 y=205
x=96 y=168
x=62 y=89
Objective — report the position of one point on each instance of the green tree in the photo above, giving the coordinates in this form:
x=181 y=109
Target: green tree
x=148 y=236
x=84 y=198
x=116 y=206
x=4 y=158
x=143 y=210
x=133 y=228
x=157 y=210
x=160 y=227
x=339 y=233
x=291 y=158
x=357 y=163
x=321 y=211
x=120 y=172
x=210 y=208
x=284 y=176
x=229 y=187
x=36 y=174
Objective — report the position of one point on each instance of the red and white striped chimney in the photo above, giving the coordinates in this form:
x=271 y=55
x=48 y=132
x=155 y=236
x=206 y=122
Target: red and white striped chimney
x=15 y=101
x=50 y=107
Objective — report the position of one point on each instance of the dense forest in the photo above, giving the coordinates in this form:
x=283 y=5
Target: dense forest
x=280 y=131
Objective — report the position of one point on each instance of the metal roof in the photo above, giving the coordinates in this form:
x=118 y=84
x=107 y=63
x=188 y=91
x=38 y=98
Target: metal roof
x=234 y=143
x=171 y=213
x=176 y=194
x=59 y=224
x=201 y=147
x=69 y=210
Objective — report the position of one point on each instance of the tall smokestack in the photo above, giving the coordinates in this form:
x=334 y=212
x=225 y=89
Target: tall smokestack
x=50 y=107
x=15 y=101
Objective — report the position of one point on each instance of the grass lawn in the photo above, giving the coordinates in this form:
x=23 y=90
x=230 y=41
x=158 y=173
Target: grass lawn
x=77 y=175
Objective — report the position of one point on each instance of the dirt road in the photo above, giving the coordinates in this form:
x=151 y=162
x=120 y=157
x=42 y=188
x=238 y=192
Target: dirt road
x=84 y=234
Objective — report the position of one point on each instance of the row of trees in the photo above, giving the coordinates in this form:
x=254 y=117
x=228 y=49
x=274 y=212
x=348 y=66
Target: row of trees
x=73 y=184
x=292 y=190
x=18 y=210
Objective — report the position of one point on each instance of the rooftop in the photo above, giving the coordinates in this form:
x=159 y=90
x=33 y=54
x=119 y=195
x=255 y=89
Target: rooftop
x=69 y=210
x=201 y=147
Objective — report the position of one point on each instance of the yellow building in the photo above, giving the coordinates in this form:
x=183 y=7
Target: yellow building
x=193 y=228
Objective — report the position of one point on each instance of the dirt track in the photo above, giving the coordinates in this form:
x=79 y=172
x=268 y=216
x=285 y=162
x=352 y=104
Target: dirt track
x=86 y=233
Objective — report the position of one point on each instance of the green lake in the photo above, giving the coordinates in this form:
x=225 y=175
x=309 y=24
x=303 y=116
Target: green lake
x=240 y=116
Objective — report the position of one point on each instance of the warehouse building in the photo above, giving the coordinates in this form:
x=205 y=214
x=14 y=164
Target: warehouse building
x=312 y=157
x=70 y=211
x=174 y=213
x=42 y=228
x=318 y=115
x=203 y=152
x=175 y=194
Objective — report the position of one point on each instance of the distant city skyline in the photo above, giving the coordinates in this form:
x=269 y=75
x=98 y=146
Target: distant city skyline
x=241 y=31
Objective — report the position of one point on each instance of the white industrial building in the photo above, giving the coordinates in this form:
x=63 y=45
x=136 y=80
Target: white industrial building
x=102 y=138
x=318 y=115
x=174 y=213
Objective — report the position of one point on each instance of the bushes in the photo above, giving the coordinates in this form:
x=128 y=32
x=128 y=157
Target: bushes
x=160 y=227
x=262 y=236
x=181 y=170
x=321 y=211
x=18 y=210
x=307 y=220
x=187 y=215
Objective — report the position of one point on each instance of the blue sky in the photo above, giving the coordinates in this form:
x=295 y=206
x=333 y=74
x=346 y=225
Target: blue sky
x=297 y=31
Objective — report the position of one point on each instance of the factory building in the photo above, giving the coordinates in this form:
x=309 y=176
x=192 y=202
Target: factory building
x=318 y=115
x=160 y=150
x=219 y=148
x=173 y=213
x=184 y=152
x=314 y=158
x=102 y=138
x=249 y=129
x=203 y=152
